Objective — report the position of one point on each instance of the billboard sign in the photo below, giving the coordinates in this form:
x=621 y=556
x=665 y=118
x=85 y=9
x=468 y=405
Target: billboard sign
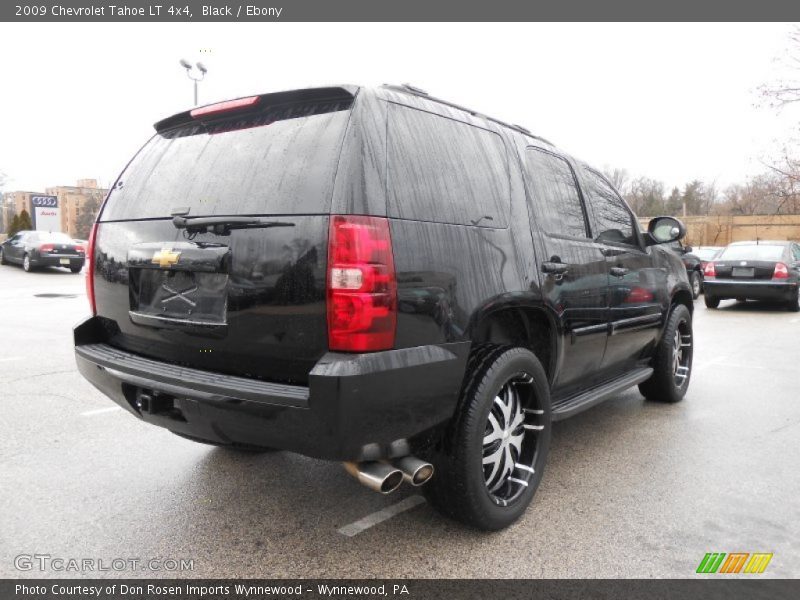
x=46 y=213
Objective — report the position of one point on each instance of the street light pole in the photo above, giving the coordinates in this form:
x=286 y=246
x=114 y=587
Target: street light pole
x=189 y=73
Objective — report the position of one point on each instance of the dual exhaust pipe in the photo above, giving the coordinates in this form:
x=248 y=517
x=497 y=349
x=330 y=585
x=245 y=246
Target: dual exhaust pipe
x=386 y=477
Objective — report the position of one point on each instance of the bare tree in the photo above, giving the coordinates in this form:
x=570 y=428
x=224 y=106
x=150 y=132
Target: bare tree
x=617 y=177
x=783 y=92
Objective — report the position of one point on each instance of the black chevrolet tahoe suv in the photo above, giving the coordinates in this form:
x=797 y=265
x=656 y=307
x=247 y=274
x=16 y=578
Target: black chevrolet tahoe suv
x=382 y=278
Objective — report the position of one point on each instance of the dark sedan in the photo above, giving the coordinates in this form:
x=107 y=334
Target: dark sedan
x=755 y=271
x=34 y=249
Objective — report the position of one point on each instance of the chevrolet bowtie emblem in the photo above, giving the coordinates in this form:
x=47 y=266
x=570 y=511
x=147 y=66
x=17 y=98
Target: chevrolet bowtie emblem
x=165 y=257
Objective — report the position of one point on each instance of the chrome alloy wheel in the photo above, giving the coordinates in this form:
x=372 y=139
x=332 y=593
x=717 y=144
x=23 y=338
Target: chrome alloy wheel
x=681 y=354
x=509 y=442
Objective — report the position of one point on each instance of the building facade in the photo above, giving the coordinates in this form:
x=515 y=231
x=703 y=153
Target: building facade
x=73 y=199
x=70 y=204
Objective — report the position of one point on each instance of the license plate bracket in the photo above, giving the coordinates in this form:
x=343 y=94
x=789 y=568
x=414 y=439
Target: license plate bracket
x=64 y=261
x=179 y=295
x=743 y=272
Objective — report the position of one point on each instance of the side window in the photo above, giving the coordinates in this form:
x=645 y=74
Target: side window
x=556 y=200
x=445 y=171
x=796 y=251
x=613 y=219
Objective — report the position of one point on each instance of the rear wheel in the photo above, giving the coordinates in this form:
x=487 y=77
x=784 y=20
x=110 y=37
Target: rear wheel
x=672 y=364
x=711 y=301
x=26 y=263
x=75 y=269
x=493 y=454
x=697 y=284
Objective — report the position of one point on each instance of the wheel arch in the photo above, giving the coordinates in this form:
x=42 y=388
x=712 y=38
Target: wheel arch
x=528 y=326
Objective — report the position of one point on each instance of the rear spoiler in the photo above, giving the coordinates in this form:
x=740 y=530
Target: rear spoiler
x=337 y=93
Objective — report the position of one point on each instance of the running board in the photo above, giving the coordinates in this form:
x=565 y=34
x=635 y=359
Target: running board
x=596 y=395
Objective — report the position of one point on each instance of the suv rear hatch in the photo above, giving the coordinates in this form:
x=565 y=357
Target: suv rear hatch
x=210 y=251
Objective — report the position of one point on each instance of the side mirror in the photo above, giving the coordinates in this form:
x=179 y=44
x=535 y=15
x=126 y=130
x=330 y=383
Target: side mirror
x=687 y=249
x=663 y=230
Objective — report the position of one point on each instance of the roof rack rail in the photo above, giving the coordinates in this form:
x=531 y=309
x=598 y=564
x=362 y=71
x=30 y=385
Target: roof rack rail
x=415 y=89
x=409 y=89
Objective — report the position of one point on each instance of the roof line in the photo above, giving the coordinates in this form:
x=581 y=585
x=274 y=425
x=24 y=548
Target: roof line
x=415 y=91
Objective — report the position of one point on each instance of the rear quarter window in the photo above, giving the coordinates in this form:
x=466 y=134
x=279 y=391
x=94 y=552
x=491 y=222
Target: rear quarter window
x=446 y=171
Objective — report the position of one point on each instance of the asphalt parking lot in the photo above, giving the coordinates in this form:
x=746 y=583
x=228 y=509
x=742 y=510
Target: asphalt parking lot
x=632 y=488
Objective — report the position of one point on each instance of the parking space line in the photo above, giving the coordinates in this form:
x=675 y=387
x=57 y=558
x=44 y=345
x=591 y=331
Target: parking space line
x=381 y=516
x=100 y=411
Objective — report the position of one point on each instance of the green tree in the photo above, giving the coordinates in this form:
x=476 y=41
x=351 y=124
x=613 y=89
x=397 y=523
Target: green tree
x=25 y=221
x=13 y=227
x=86 y=217
x=674 y=204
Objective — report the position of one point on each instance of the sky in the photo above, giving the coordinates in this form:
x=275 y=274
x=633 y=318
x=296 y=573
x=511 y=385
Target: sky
x=674 y=102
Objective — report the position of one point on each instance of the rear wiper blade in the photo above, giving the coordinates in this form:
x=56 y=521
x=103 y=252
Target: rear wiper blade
x=223 y=225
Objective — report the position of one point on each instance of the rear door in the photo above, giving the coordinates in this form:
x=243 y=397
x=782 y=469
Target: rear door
x=246 y=294
x=573 y=272
x=637 y=290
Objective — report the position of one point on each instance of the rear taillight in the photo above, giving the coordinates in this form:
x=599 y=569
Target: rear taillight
x=781 y=271
x=362 y=287
x=80 y=249
x=90 y=270
x=709 y=270
x=46 y=248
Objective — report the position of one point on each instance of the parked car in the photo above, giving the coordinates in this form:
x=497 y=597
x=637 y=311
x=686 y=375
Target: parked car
x=693 y=265
x=707 y=253
x=33 y=249
x=759 y=270
x=433 y=288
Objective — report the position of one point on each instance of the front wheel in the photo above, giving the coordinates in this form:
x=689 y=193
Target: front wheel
x=710 y=301
x=2 y=257
x=493 y=454
x=672 y=363
x=794 y=302
x=697 y=284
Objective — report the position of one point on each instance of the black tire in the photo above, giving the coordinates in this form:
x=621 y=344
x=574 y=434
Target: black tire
x=669 y=382
x=75 y=269
x=459 y=489
x=794 y=302
x=3 y=260
x=26 y=263
x=243 y=448
x=696 y=283
x=711 y=301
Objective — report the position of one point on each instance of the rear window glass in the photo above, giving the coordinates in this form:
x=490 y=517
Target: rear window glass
x=54 y=236
x=281 y=161
x=445 y=170
x=752 y=252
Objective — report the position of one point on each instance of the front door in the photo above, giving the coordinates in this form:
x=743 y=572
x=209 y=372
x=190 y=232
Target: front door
x=636 y=289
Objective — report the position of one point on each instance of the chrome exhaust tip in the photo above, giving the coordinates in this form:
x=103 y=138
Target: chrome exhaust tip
x=415 y=471
x=377 y=476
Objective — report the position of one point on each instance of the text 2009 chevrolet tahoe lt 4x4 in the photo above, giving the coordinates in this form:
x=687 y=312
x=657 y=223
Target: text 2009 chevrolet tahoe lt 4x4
x=382 y=278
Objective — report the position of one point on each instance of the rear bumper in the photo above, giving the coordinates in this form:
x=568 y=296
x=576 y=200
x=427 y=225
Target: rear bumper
x=356 y=406
x=54 y=260
x=752 y=290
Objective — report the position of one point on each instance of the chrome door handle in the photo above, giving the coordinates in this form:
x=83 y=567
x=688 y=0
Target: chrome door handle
x=554 y=268
x=619 y=271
